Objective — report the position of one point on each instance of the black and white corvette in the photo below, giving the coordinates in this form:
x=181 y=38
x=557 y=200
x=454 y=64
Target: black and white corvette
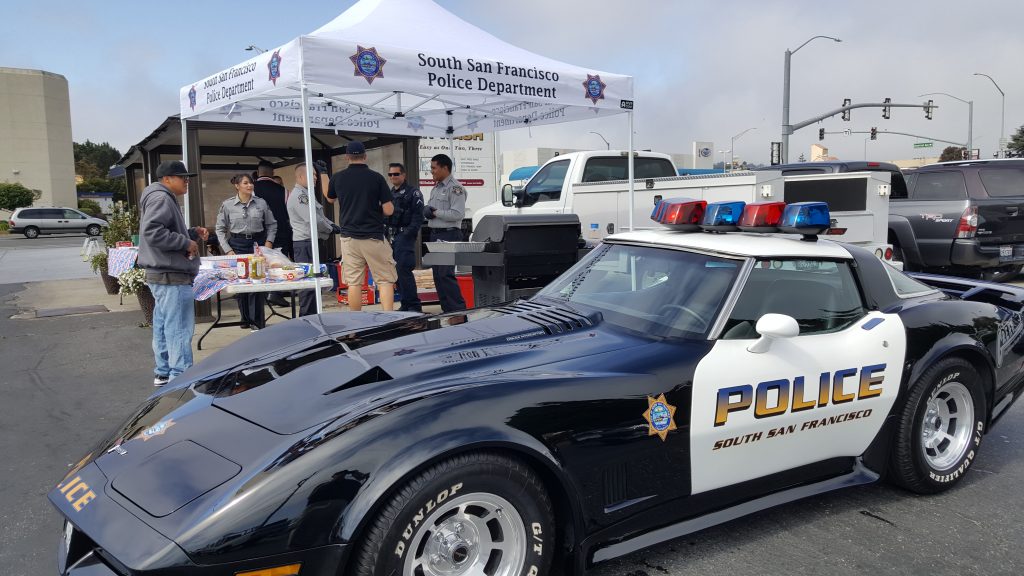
x=701 y=376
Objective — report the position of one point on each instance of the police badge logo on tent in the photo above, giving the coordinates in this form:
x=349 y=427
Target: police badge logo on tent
x=594 y=88
x=192 y=97
x=274 y=67
x=368 y=63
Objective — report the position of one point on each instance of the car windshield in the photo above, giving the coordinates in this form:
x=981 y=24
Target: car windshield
x=657 y=291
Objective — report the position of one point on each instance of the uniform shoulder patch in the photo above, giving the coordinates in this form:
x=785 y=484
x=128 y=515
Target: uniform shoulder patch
x=458 y=190
x=303 y=199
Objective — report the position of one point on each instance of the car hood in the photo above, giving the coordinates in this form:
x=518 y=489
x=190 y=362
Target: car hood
x=352 y=363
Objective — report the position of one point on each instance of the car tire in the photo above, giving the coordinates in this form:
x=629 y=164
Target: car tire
x=899 y=255
x=31 y=232
x=479 y=512
x=93 y=230
x=939 y=429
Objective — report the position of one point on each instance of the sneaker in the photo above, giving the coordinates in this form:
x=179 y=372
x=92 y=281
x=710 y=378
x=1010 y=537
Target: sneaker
x=254 y=329
x=160 y=381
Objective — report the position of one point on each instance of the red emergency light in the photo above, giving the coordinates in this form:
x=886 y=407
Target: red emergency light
x=680 y=213
x=762 y=217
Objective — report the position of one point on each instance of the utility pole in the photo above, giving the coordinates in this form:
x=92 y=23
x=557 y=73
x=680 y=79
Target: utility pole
x=786 y=128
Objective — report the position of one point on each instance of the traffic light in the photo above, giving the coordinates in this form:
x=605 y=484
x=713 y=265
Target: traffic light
x=821 y=133
x=886 y=109
x=846 y=113
x=928 y=109
x=874 y=133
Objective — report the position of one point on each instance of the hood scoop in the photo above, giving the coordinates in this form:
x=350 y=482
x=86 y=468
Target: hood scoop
x=375 y=374
x=553 y=319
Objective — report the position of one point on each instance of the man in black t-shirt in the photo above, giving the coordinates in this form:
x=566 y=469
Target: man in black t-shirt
x=364 y=198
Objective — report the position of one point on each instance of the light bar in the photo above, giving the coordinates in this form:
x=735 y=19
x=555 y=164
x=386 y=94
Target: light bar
x=807 y=218
x=762 y=217
x=683 y=214
x=722 y=216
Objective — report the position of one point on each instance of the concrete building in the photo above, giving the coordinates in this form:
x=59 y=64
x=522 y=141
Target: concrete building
x=35 y=134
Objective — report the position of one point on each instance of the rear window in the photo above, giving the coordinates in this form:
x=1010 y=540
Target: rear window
x=1003 y=182
x=604 y=169
x=904 y=285
x=940 y=186
x=28 y=214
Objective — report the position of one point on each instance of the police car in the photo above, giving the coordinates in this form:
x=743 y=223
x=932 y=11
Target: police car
x=671 y=380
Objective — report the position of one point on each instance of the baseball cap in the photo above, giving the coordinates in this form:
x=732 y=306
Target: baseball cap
x=172 y=168
x=355 y=148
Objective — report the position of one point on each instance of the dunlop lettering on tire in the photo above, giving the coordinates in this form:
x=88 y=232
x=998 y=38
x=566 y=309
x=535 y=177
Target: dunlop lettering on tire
x=458 y=517
x=939 y=428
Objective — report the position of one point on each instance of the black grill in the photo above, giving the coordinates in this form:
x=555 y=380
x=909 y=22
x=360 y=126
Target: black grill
x=523 y=253
x=534 y=249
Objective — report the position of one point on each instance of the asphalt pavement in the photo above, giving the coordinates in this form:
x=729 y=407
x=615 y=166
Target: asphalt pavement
x=56 y=257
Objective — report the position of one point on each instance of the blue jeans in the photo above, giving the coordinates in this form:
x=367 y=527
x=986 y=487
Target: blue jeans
x=174 y=322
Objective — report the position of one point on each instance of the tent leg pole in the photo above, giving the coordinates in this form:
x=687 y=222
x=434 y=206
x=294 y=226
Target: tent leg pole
x=629 y=164
x=184 y=160
x=307 y=143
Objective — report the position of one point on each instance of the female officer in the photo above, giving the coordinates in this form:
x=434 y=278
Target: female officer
x=242 y=221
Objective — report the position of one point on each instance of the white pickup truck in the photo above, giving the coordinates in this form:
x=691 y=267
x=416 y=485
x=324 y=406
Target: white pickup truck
x=593 y=186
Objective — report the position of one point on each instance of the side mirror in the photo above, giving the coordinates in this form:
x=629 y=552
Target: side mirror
x=506 y=195
x=771 y=327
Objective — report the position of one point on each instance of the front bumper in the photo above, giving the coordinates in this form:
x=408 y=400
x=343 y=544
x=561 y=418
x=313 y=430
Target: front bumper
x=971 y=253
x=105 y=539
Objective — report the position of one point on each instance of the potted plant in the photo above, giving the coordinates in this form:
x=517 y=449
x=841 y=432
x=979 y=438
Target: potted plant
x=133 y=281
x=98 y=262
x=122 y=224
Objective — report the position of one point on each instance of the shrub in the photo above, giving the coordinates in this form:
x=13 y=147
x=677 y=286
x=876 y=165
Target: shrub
x=14 y=196
x=90 y=207
x=4 y=227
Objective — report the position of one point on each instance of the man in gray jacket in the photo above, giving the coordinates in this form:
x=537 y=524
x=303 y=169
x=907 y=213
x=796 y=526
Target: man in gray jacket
x=169 y=253
x=302 y=244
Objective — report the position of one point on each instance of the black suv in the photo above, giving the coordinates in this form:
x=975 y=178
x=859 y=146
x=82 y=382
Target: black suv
x=962 y=217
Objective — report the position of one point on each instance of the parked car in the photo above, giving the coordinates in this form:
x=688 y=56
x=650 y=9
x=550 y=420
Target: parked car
x=35 y=221
x=964 y=217
x=667 y=382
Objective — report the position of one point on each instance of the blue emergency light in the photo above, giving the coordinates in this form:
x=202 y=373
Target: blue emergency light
x=807 y=218
x=723 y=216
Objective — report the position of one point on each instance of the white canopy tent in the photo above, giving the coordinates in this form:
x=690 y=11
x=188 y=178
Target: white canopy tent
x=404 y=67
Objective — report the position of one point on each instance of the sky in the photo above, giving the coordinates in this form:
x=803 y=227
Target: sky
x=702 y=70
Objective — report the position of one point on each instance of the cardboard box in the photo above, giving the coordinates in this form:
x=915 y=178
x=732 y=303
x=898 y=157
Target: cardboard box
x=369 y=296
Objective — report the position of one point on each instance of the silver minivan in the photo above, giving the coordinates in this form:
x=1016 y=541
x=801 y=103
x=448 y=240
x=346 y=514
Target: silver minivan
x=35 y=221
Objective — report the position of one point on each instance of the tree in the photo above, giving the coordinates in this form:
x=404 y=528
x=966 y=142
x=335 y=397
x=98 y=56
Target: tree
x=952 y=153
x=1016 y=144
x=15 y=195
x=94 y=160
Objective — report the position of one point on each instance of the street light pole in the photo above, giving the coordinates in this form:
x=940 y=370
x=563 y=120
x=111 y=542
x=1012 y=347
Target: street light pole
x=786 y=129
x=970 y=119
x=732 y=147
x=1002 y=119
x=607 y=146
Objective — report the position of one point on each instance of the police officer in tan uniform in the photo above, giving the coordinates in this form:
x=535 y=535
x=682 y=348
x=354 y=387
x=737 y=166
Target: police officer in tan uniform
x=444 y=213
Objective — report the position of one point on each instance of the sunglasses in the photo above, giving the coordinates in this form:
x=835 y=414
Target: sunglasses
x=393 y=174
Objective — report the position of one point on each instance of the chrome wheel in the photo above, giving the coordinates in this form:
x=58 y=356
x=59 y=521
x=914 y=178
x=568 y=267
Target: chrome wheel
x=478 y=534
x=947 y=425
